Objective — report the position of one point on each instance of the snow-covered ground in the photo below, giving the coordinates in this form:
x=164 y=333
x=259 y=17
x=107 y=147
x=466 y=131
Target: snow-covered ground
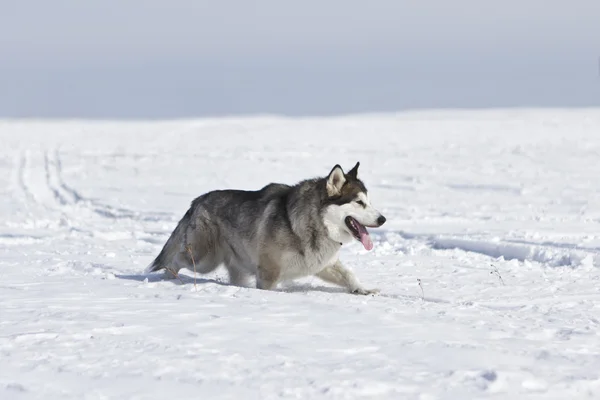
x=497 y=213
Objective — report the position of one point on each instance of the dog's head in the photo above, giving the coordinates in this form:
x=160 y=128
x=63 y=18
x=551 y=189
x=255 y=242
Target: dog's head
x=348 y=211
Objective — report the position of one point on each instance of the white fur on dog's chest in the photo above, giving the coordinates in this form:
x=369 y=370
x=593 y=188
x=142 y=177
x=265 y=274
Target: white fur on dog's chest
x=295 y=265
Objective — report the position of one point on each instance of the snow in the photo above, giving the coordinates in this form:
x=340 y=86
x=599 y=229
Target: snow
x=487 y=266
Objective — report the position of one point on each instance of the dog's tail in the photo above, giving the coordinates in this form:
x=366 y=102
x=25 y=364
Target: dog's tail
x=172 y=247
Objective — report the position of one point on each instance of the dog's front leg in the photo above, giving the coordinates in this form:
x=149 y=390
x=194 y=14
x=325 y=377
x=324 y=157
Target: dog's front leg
x=342 y=276
x=267 y=274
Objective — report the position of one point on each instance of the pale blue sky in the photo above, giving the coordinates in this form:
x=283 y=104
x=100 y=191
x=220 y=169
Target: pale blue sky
x=183 y=58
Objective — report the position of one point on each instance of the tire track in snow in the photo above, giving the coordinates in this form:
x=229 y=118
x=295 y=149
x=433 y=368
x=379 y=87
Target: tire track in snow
x=20 y=193
x=51 y=205
x=16 y=180
x=36 y=212
x=33 y=181
x=50 y=202
x=74 y=194
x=53 y=181
x=21 y=179
x=65 y=194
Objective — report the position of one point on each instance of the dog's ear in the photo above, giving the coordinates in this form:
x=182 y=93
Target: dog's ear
x=335 y=181
x=353 y=173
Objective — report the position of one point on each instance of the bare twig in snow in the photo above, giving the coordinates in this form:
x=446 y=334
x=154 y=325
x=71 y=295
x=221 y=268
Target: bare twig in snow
x=497 y=273
x=189 y=249
x=175 y=274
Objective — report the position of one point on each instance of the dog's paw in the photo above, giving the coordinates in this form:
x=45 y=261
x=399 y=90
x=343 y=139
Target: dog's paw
x=365 y=292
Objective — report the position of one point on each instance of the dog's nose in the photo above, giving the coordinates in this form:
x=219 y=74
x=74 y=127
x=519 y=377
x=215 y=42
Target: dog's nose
x=381 y=220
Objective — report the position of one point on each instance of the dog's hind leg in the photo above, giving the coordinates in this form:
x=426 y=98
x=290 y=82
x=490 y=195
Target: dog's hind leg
x=178 y=263
x=199 y=250
x=238 y=276
x=186 y=259
x=342 y=276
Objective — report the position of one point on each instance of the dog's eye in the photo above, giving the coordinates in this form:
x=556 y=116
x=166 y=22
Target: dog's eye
x=361 y=203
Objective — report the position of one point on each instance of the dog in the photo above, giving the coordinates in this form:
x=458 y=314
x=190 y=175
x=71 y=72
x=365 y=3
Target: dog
x=280 y=232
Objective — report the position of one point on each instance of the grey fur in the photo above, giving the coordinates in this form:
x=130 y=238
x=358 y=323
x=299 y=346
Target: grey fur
x=276 y=233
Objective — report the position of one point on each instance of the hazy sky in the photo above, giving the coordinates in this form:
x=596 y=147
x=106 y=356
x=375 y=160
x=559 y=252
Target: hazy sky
x=182 y=58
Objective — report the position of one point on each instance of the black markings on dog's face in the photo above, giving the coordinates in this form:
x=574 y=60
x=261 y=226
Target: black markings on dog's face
x=349 y=192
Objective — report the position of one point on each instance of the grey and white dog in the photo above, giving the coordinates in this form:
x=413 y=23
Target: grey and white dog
x=277 y=233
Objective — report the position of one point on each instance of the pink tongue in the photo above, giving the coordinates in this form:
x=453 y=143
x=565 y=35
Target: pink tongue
x=365 y=239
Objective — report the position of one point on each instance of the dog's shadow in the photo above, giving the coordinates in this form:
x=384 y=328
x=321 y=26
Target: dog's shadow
x=187 y=280
x=307 y=287
x=180 y=280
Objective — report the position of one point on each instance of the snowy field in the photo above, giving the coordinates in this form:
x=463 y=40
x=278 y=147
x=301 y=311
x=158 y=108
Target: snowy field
x=497 y=213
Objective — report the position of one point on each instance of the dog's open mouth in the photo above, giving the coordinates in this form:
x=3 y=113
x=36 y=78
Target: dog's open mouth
x=359 y=232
